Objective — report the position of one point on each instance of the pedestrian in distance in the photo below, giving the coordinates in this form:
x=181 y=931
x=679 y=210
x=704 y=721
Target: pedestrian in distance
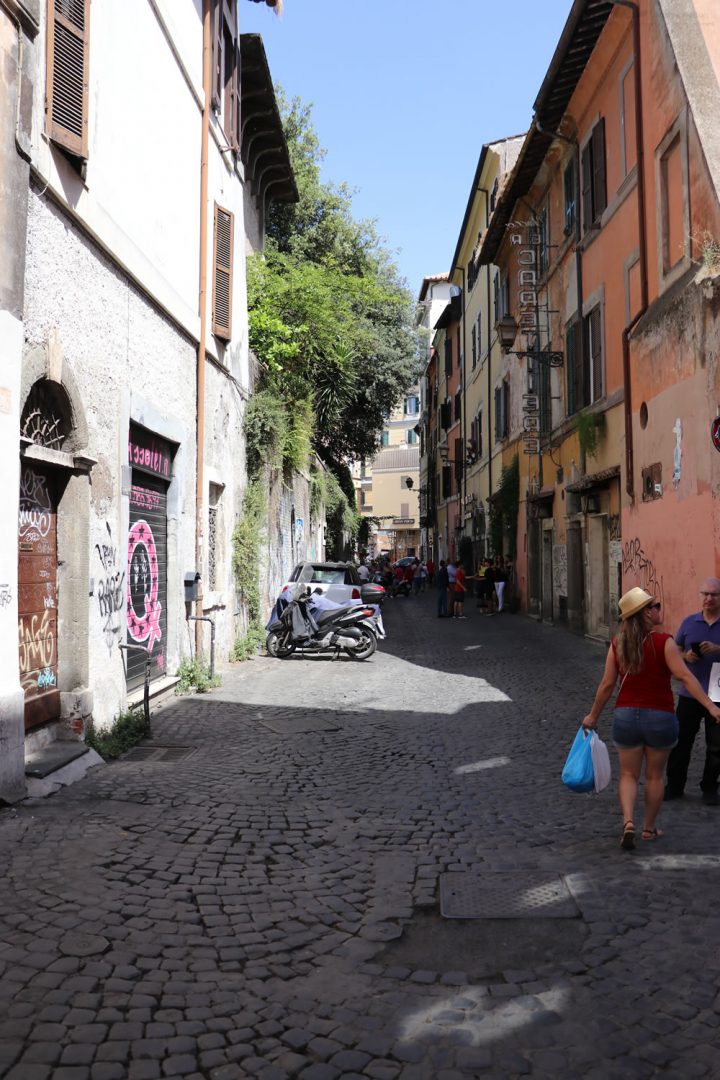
x=645 y=727
x=451 y=586
x=430 y=564
x=499 y=579
x=699 y=642
x=490 y=594
x=417 y=577
x=442 y=590
x=460 y=590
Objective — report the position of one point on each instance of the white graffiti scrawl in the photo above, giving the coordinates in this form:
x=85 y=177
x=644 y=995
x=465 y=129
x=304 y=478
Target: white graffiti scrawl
x=110 y=590
x=35 y=516
x=144 y=624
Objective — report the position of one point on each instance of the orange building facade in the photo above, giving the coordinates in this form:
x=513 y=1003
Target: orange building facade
x=607 y=255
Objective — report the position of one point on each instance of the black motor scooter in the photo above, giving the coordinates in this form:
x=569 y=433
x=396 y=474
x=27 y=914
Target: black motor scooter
x=351 y=629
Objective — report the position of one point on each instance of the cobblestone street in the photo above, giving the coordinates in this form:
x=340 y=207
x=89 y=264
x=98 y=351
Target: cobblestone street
x=269 y=905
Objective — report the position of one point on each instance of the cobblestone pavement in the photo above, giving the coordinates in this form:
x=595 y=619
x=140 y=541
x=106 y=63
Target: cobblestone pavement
x=269 y=906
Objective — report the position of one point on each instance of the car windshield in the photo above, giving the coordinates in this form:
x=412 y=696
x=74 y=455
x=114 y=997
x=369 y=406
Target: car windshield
x=324 y=575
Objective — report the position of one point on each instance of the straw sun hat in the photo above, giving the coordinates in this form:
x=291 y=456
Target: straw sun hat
x=633 y=601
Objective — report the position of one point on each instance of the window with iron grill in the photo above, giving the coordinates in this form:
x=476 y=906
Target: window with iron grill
x=212 y=547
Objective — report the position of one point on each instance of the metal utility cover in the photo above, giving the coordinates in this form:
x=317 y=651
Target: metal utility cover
x=164 y=755
x=518 y=894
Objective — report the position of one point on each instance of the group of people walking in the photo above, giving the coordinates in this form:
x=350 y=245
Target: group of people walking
x=491 y=579
x=647 y=728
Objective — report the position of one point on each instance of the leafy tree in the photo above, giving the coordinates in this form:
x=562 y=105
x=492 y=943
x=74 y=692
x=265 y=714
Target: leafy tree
x=330 y=320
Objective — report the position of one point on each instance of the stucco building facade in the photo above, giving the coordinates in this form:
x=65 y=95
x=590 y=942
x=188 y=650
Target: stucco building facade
x=135 y=365
x=605 y=240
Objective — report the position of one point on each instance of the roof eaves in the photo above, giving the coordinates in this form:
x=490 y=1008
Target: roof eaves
x=583 y=27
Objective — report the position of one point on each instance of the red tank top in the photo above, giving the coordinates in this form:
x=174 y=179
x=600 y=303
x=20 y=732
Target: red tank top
x=650 y=688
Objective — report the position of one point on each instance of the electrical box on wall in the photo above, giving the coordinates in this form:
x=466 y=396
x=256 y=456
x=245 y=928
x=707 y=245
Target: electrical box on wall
x=652 y=482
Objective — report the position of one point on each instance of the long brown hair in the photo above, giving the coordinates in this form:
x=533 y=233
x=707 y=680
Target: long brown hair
x=629 y=643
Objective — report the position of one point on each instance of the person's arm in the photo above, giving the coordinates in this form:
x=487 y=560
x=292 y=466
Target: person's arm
x=678 y=668
x=604 y=690
x=680 y=638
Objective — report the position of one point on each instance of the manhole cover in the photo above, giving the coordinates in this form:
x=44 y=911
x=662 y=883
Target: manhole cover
x=517 y=895
x=165 y=755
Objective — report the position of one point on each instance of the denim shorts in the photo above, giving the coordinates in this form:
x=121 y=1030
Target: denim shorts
x=644 y=727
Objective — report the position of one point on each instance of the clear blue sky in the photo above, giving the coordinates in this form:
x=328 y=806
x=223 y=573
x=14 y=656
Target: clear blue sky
x=404 y=94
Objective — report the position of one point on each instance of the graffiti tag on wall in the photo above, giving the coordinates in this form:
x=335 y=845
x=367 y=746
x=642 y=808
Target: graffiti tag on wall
x=143 y=606
x=638 y=565
x=110 y=590
x=5 y=596
x=35 y=512
x=559 y=569
x=37 y=647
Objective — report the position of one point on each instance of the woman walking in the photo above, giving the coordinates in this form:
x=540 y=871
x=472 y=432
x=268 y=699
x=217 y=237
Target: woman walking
x=645 y=727
x=500 y=579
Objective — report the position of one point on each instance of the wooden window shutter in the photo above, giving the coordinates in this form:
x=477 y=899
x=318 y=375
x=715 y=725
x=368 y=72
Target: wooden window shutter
x=595 y=353
x=68 y=54
x=587 y=200
x=222 y=277
x=459 y=459
x=599 y=177
x=217 y=53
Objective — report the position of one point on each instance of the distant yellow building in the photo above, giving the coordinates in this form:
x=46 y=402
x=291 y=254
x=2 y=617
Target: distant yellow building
x=387 y=487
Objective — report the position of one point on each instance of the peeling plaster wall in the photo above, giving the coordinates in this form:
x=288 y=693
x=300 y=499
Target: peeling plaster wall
x=128 y=361
x=283 y=548
x=224 y=467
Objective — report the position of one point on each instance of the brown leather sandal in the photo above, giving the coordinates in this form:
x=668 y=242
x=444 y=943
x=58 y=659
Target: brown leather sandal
x=627 y=840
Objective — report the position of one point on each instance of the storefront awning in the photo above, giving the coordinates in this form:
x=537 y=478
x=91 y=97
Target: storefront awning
x=598 y=479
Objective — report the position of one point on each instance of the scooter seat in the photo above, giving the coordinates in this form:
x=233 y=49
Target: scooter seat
x=326 y=616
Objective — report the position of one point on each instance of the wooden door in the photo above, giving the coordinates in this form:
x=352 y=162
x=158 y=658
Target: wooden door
x=37 y=595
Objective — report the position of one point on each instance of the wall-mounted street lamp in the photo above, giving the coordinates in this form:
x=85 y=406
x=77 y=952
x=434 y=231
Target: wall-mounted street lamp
x=507 y=329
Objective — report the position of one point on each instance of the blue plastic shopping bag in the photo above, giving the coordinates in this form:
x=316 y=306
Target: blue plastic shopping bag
x=578 y=773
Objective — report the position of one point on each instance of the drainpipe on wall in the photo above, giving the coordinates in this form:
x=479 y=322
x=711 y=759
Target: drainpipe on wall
x=640 y=166
x=202 y=310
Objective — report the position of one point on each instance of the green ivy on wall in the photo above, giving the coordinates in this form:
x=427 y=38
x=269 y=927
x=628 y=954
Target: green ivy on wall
x=504 y=510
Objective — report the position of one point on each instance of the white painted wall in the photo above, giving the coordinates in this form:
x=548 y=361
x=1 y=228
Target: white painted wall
x=12 y=732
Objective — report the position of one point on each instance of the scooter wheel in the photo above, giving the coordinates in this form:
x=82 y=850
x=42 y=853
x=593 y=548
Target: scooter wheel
x=278 y=646
x=365 y=647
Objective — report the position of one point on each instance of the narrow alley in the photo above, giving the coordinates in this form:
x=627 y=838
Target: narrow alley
x=272 y=888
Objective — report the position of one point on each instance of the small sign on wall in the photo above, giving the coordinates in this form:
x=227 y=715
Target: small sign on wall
x=715 y=432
